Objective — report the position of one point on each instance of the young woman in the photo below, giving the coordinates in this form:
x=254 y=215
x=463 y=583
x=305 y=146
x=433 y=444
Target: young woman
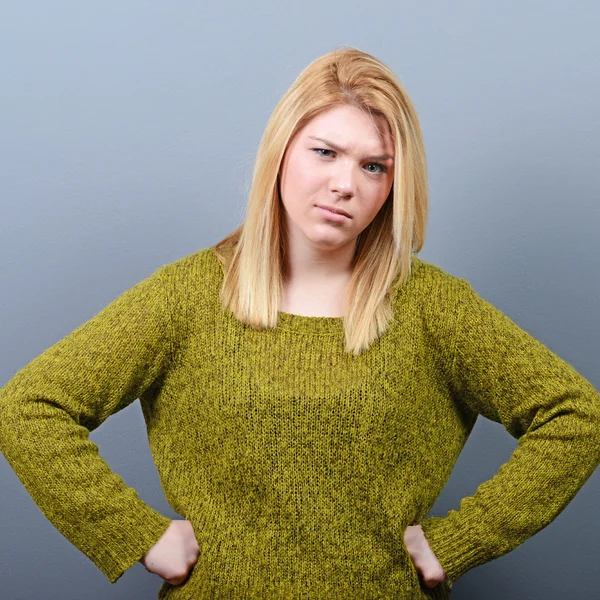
x=307 y=384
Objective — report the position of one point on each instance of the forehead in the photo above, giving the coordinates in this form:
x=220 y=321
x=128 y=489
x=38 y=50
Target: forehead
x=351 y=127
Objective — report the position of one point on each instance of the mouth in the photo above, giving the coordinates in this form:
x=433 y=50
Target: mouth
x=334 y=210
x=331 y=215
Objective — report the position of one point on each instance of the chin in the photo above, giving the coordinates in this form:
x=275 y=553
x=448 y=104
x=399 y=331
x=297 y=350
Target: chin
x=330 y=242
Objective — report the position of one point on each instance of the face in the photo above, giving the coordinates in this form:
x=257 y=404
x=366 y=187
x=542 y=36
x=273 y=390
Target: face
x=342 y=160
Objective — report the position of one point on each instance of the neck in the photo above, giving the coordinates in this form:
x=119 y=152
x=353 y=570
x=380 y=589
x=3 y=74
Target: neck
x=317 y=265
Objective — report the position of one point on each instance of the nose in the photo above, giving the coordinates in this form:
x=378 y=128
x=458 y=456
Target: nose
x=343 y=178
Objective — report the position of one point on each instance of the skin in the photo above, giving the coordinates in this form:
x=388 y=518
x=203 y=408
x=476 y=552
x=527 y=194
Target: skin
x=175 y=553
x=425 y=561
x=320 y=250
x=319 y=254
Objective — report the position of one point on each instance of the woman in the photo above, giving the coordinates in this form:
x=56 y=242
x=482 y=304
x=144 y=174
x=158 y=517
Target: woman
x=307 y=384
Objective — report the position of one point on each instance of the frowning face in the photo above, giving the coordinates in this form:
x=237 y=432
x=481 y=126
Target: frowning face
x=339 y=159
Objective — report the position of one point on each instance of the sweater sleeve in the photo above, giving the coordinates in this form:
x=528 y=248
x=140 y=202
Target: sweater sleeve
x=49 y=407
x=503 y=373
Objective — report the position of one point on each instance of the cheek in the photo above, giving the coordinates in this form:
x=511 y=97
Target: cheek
x=376 y=204
x=305 y=171
x=303 y=180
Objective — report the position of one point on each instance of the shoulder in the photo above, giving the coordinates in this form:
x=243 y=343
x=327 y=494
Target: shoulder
x=195 y=276
x=430 y=303
x=203 y=265
x=433 y=295
x=443 y=296
x=191 y=285
x=432 y=282
x=203 y=259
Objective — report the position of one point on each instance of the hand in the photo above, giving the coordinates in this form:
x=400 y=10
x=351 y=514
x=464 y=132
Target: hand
x=423 y=557
x=175 y=553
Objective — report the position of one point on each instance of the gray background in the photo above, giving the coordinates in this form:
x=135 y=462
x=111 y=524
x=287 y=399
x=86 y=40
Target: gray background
x=128 y=132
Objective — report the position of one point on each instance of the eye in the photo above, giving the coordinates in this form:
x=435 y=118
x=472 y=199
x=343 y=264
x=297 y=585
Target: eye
x=382 y=168
x=317 y=150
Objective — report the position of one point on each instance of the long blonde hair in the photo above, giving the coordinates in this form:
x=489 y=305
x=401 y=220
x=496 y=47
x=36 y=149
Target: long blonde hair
x=252 y=255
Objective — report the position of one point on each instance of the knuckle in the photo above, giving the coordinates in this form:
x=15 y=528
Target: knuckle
x=179 y=574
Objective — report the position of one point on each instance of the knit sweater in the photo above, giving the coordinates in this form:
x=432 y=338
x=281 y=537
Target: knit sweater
x=299 y=465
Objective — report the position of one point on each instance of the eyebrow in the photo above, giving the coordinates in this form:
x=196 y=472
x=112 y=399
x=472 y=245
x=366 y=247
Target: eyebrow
x=340 y=149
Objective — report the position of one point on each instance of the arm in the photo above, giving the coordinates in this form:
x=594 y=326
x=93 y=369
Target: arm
x=504 y=373
x=49 y=407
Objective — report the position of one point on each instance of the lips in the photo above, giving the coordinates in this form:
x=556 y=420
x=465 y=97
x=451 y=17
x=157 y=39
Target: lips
x=332 y=217
x=333 y=209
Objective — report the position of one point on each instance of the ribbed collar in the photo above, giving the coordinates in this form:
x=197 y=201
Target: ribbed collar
x=305 y=324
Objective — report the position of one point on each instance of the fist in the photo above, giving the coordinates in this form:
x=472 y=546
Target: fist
x=425 y=561
x=175 y=553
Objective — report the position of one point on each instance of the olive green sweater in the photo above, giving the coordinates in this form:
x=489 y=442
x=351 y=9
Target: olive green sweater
x=299 y=465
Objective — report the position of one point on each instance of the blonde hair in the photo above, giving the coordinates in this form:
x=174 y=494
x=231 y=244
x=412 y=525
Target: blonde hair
x=253 y=254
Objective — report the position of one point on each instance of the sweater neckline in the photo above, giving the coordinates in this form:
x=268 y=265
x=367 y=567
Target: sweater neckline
x=309 y=324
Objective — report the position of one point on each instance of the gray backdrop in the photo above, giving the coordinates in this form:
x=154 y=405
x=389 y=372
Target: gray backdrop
x=128 y=131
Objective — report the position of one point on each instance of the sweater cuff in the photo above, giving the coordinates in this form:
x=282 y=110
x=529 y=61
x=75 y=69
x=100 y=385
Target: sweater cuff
x=457 y=551
x=129 y=542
